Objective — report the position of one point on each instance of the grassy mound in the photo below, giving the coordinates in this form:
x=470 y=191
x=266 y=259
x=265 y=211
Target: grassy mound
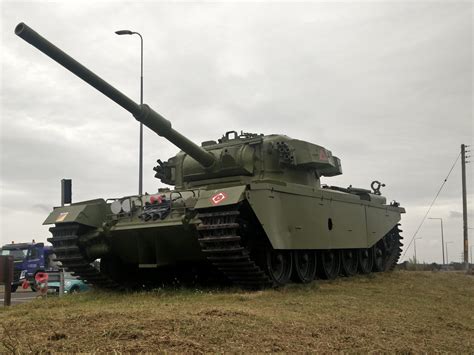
x=395 y=312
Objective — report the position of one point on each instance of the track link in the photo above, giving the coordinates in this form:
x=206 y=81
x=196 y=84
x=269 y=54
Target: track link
x=219 y=240
x=66 y=246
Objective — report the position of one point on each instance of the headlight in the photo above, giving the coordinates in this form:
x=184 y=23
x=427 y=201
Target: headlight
x=126 y=205
x=116 y=207
x=67 y=283
x=22 y=274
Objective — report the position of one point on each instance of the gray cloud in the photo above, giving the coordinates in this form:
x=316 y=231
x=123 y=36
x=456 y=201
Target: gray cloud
x=43 y=208
x=455 y=214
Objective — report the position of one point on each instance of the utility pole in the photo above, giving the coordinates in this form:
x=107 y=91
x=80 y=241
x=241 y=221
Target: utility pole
x=464 y=206
x=442 y=237
x=414 y=246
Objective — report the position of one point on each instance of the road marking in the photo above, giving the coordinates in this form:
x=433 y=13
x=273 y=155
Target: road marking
x=19 y=299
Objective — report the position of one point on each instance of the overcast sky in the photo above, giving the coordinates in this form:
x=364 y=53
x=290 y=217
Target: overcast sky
x=386 y=86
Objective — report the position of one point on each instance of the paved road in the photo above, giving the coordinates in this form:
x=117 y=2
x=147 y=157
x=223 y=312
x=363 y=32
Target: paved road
x=20 y=296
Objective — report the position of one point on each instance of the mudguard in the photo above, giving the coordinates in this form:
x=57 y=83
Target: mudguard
x=90 y=213
x=221 y=197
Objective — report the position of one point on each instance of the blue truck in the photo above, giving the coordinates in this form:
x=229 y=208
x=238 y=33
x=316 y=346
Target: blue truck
x=29 y=259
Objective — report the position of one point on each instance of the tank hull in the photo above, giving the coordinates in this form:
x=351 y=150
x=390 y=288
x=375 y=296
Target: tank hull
x=237 y=228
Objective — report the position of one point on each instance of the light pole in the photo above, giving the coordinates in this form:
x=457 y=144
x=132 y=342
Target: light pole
x=414 y=246
x=442 y=236
x=140 y=158
x=447 y=259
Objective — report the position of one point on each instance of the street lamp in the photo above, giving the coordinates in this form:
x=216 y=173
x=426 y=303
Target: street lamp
x=140 y=159
x=442 y=237
x=447 y=259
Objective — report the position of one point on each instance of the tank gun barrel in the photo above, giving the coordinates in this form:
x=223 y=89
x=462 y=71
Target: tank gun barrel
x=142 y=113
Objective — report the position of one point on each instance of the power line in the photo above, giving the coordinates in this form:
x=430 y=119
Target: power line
x=432 y=203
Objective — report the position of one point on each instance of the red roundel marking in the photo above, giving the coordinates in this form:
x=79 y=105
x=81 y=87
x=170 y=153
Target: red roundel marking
x=156 y=199
x=218 y=198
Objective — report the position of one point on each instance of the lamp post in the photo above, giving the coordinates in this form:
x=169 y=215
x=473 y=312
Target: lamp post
x=442 y=236
x=140 y=159
x=447 y=259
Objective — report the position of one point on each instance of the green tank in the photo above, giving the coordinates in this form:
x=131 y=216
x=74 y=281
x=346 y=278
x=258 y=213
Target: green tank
x=248 y=209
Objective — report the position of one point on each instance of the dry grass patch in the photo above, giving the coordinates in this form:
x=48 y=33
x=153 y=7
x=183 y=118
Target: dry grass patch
x=397 y=312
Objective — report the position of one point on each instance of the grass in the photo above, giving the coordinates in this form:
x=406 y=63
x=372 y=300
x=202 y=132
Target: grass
x=407 y=312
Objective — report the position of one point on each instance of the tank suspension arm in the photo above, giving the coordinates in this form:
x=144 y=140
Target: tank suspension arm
x=142 y=113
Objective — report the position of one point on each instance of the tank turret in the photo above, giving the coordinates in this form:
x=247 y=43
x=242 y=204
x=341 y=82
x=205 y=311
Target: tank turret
x=251 y=157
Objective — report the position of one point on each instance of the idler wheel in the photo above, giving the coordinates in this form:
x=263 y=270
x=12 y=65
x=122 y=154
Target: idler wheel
x=366 y=260
x=279 y=265
x=329 y=264
x=304 y=266
x=349 y=262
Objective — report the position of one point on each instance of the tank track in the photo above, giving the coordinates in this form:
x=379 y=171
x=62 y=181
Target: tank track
x=66 y=246
x=219 y=239
x=224 y=249
x=393 y=240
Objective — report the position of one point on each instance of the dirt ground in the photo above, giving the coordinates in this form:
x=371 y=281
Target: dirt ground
x=408 y=312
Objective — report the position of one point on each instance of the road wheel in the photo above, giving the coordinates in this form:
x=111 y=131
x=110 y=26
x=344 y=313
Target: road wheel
x=329 y=264
x=378 y=251
x=14 y=288
x=366 y=260
x=349 y=262
x=279 y=265
x=304 y=265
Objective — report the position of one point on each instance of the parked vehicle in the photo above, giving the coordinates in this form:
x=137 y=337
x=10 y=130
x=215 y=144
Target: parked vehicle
x=71 y=284
x=29 y=259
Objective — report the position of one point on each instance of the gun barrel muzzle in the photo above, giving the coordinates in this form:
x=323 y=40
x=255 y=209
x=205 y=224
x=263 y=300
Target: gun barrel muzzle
x=36 y=40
